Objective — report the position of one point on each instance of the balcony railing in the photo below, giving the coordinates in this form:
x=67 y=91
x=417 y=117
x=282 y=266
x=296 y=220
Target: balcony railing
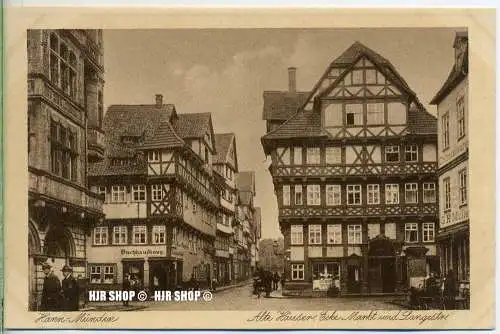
x=226 y=204
x=361 y=211
x=388 y=169
x=224 y=228
x=192 y=181
x=50 y=186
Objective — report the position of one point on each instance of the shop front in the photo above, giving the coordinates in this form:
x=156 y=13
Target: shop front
x=325 y=275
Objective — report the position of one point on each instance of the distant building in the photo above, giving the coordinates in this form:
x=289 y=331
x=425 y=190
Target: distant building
x=65 y=110
x=225 y=164
x=354 y=172
x=272 y=257
x=161 y=200
x=453 y=154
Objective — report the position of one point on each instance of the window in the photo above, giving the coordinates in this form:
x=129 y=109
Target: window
x=139 y=234
x=286 y=195
x=373 y=194
x=283 y=155
x=460 y=117
x=334 y=234
x=102 y=274
x=95 y=274
x=158 y=192
x=428 y=232
x=354 y=234
x=63 y=151
x=102 y=192
x=298 y=194
x=153 y=156
x=315 y=234
x=411 y=153
x=118 y=194
x=462 y=177
x=119 y=235
x=313 y=155
x=138 y=193
x=445 y=128
x=297 y=272
x=297 y=234
x=429 y=192
x=63 y=64
x=411 y=193
x=411 y=232
x=101 y=235
x=392 y=194
x=392 y=153
x=332 y=194
x=159 y=234
x=313 y=194
x=447 y=193
x=297 y=155
x=354 y=114
x=354 y=194
x=374 y=113
x=333 y=155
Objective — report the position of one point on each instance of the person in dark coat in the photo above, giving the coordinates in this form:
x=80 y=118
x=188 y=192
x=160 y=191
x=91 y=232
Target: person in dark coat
x=70 y=293
x=126 y=286
x=51 y=293
x=450 y=290
x=276 y=279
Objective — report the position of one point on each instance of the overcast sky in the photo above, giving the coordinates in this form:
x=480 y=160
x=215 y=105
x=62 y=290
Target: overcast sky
x=226 y=71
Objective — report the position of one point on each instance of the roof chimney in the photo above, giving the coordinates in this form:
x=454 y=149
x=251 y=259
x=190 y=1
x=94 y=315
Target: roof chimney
x=159 y=100
x=292 y=79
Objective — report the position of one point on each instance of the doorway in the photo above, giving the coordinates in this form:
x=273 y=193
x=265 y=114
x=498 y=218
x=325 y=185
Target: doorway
x=353 y=278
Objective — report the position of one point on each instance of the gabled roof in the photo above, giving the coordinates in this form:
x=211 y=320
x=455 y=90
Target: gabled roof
x=245 y=182
x=282 y=105
x=304 y=124
x=352 y=54
x=457 y=74
x=142 y=121
x=223 y=142
x=194 y=125
x=164 y=136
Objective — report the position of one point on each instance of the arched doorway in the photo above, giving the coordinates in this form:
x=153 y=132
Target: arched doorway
x=34 y=248
x=382 y=275
x=58 y=244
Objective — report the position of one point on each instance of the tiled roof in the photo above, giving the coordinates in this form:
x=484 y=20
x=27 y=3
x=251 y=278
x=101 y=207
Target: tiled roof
x=454 y=78
x=193 y=125
x=304 y=124
x=140 y=121
x=354 y=51
x=164 y=136
x=421 y=122
x=222 y=145
x=282 y=105
x=245 y=181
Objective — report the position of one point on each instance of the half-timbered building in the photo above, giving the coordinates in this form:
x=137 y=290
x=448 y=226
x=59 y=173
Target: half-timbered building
x=65 y=84
x=225 y=164
x=354 y=171
x=453 y=152
x=160 y=201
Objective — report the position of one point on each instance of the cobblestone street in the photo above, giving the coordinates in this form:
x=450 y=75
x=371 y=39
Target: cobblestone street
x=241 y=298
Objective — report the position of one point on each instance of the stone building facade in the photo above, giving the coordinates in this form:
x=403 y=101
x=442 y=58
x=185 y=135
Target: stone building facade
x=65 y=84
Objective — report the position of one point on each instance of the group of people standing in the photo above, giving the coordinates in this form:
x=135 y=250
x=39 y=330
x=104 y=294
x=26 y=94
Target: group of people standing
x=267 y=281
x=59 y=295
x=131 y=283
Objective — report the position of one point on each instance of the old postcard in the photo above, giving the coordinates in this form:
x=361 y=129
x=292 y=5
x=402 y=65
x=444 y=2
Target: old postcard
x=265 y=169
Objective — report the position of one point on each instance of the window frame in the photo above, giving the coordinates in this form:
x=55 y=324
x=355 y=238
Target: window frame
x=116 y=190
x=334 y=232
x=297 y=156
x=370 y=194
x=427 y=231
x=295 y=193
x=137 y=230
x=411 y=229
x=286 y=195
x=313 y=194
x=353 y=189
x=425 y=192
x=393 y=151
x=103 y=233
x=354 y=234
x=445 y=130
x=411 y=188
x=118 y=230
x=297 y=235
x=336 y=194
x=138 y=189
x=462 y=186
x=297 y=271
x=389 y=191
x=159 y=230
x=461 y=127
x=314 y=234
x=153 y=156
x=447 y=193
x=411 y=149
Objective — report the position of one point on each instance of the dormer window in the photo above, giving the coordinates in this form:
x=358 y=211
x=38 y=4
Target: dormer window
x=153 y=156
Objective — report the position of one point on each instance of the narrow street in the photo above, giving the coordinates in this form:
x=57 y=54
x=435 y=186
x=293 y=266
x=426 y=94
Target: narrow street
x=241 y=298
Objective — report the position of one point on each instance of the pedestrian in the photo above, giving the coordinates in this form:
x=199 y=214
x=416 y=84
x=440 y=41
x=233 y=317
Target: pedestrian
x=51 y=292
x=283 y=281
x=276 y=279
x=450 y=290
x=126 y=286
x=70 y=293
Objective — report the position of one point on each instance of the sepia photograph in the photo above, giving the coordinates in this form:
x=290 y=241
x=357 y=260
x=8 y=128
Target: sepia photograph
x=256 y=169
